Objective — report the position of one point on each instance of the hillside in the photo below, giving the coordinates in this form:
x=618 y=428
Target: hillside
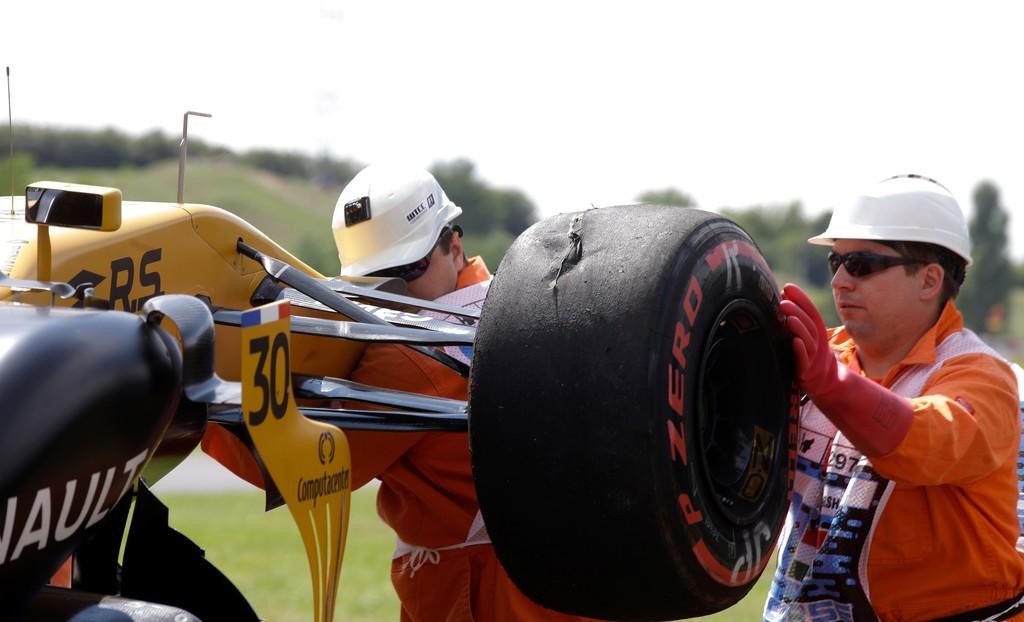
x=293 y=212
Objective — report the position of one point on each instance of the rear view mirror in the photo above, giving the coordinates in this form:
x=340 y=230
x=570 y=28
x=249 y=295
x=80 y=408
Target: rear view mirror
x=73 y=205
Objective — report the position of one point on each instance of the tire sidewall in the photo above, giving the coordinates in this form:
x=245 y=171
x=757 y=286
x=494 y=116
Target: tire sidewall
x=723 y=273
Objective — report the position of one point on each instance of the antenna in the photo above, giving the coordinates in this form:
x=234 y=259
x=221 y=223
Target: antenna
x=10 y=135
x=183 y=151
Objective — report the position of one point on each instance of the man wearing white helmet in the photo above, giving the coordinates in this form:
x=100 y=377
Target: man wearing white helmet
x=905 y=499
x=389 y=220
x=394 y=221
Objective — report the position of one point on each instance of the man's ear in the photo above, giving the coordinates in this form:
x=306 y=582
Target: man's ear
x=931 y=285
x=456 y=248
x=456 y=243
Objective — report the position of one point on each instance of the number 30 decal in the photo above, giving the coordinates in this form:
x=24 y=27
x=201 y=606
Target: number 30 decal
x=307 y=460
x=273 y=387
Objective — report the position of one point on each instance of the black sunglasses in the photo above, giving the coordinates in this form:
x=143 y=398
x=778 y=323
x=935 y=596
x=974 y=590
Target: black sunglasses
x=411 y=271
x=860 y=263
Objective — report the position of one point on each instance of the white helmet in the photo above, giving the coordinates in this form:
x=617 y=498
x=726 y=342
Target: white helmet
x=387 y=216
x=904 y=208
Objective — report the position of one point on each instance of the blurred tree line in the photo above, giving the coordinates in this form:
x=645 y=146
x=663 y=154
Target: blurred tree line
x=109 y=148
x=493 y=217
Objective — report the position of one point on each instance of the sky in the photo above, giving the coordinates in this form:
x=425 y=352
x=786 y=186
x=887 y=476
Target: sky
x=735 y=103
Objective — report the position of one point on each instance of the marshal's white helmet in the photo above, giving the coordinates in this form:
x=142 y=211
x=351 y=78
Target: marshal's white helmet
x=905 y=208
x=387 y=216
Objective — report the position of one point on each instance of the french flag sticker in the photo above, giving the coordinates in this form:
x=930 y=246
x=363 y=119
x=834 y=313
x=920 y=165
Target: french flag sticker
x=267 y=314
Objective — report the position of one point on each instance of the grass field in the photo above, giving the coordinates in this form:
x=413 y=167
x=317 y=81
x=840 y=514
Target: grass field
x=262 y=554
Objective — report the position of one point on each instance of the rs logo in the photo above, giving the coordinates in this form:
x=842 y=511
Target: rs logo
x=124 y=283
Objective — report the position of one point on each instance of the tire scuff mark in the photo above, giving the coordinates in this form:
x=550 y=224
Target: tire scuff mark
x=574 y=252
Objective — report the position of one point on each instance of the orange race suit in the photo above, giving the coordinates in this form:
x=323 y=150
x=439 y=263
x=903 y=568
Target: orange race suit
x=444 y=567
x=927 y=531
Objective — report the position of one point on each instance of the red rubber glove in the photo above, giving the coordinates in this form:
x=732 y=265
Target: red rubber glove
x=874 y=418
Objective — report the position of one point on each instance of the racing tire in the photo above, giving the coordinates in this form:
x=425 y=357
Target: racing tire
x=633 y=413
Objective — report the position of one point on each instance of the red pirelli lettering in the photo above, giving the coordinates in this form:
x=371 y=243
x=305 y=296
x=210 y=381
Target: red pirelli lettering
x=677 y=442
x=691 y=513
x=691 y=301
x=675 y=389
x=735 y=248
x=680 y=341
